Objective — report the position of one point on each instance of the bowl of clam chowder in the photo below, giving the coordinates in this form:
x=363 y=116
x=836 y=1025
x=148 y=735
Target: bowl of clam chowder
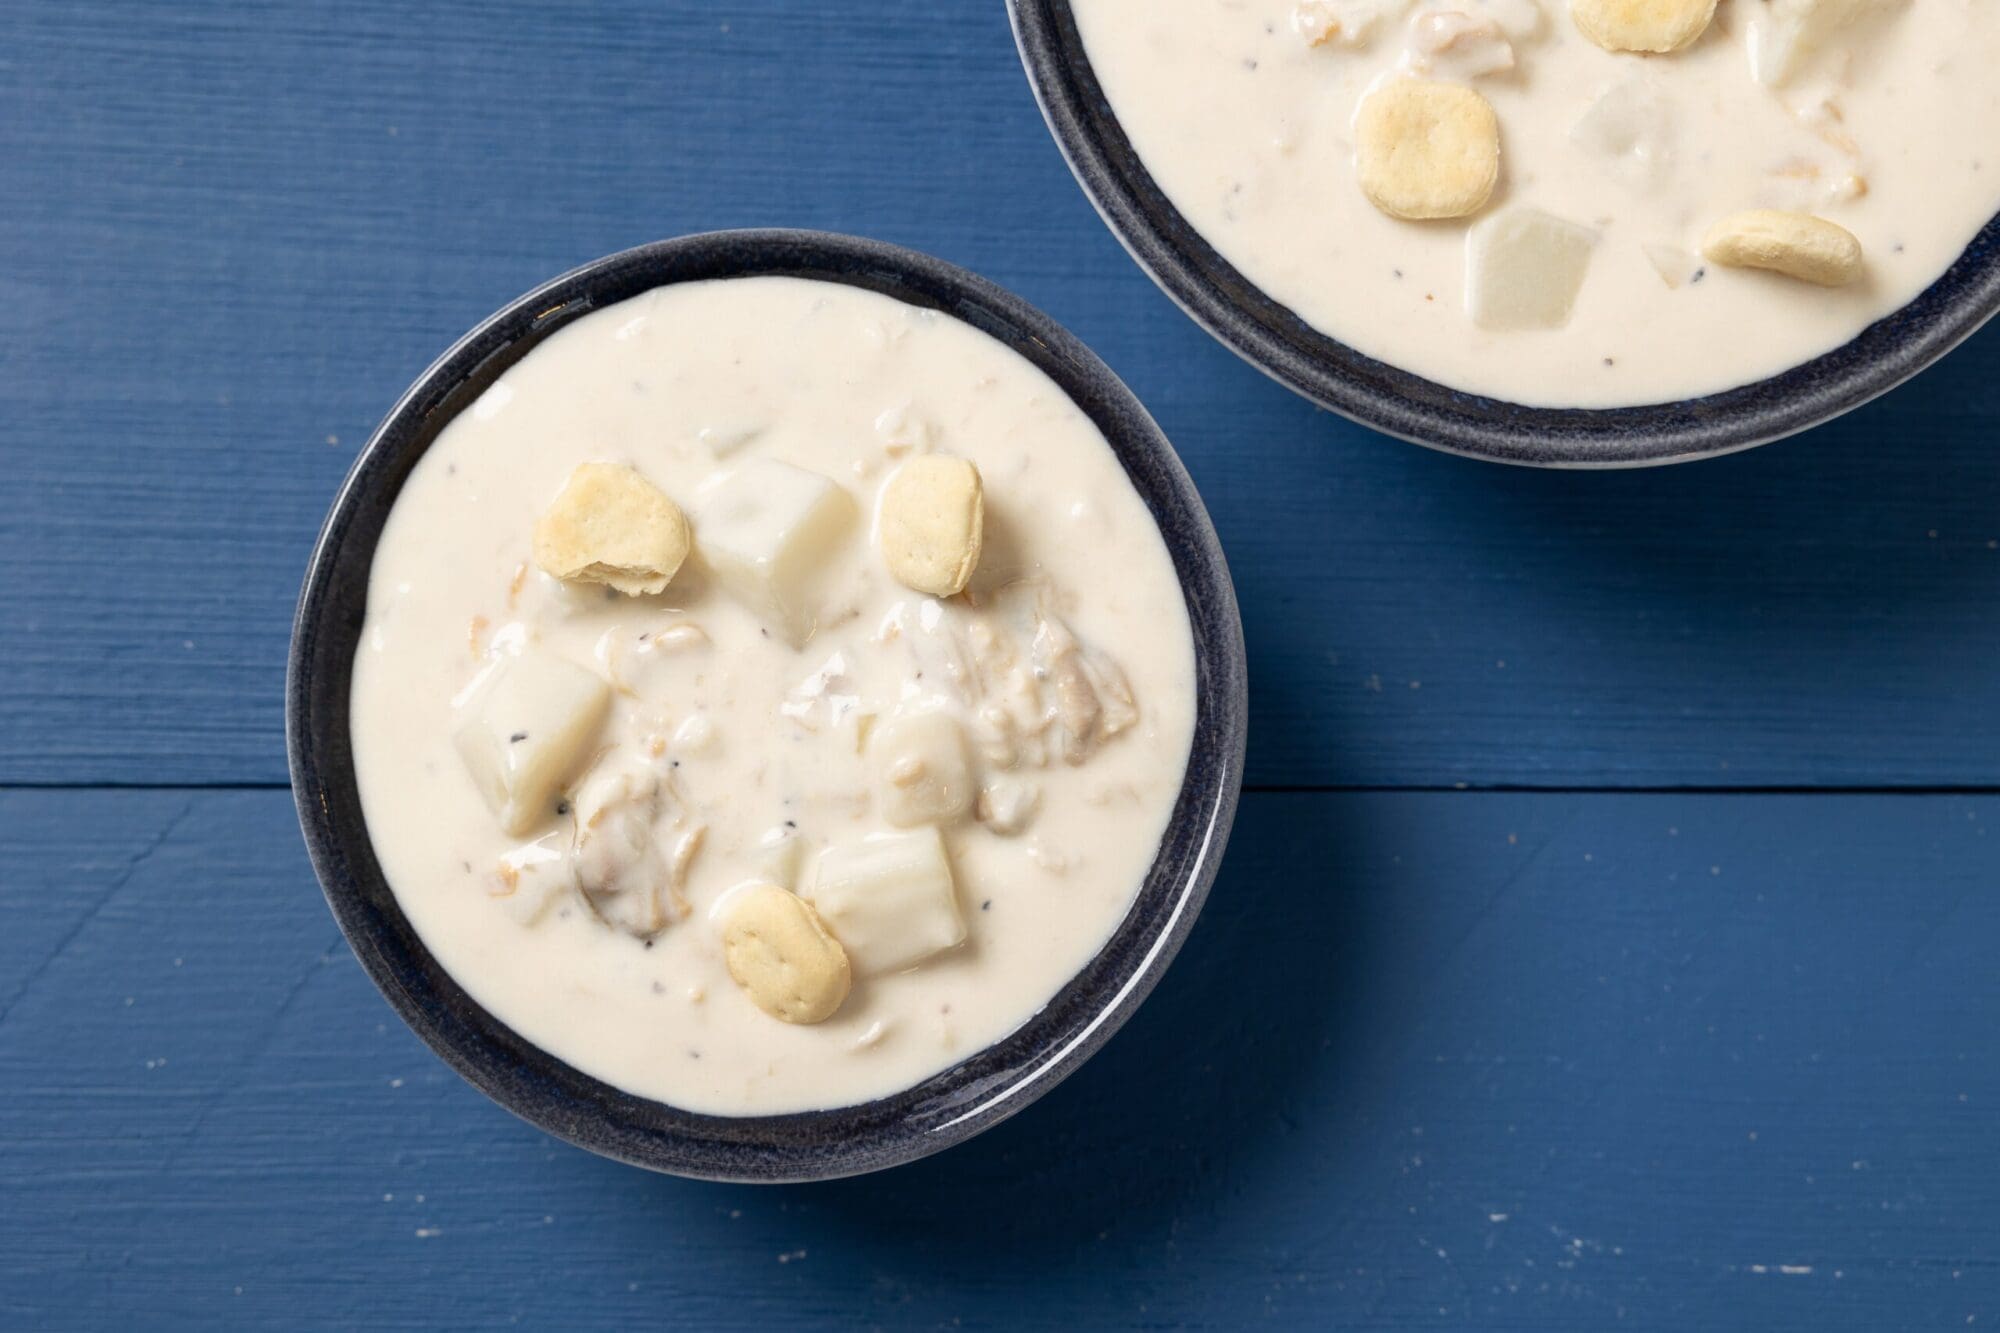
x=766 y=705
x=1562 y=232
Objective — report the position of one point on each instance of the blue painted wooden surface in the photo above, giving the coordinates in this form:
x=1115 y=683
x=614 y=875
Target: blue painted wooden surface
x=1483 y=1060
x=1612 y=1052
x=232 y=234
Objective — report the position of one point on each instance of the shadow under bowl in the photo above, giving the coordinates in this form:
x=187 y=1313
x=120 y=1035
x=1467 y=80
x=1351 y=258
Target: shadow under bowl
x=948 y=1108
x=1397 y=402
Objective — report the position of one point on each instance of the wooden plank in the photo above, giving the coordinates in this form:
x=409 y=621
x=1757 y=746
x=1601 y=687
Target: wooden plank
x=1475 y=1060
x=231 y=235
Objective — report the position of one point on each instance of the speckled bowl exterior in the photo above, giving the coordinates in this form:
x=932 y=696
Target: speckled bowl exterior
x=971 y=1096
x=1399 y=403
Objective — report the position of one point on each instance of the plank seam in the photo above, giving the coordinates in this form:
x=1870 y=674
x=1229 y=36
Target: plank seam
x=1272 y=788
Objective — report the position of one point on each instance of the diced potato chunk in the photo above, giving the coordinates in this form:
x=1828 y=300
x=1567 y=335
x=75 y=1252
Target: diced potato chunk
x=764 y=534
x=922 y=772
x=889 y=899
x=1523 y=269
x=526 y=728
x=612 y=526
x=1631 y=128
x=931 y=524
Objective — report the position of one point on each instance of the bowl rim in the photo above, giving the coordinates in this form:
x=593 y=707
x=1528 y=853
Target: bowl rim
x=1411 y=407
x=970 y=1096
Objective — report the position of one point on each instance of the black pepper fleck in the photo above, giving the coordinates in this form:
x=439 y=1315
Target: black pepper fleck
x=517 y=738
x=1699 y=274
x=1398 y=272
x=791 y=823
x=987 y=905
x=562 y=807
x=647 y=945
x=658 y=989
x=1609 y=361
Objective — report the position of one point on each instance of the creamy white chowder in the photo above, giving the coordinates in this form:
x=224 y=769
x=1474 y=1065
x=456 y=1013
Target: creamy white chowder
x=706 y=738
x=1880 y=116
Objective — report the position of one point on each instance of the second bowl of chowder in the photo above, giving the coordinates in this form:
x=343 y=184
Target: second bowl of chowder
x=1570 y=232
x=766 y=705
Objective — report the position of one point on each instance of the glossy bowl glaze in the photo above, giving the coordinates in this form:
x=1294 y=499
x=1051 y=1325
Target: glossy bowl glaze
x=1400 y=403
x=952 y=1106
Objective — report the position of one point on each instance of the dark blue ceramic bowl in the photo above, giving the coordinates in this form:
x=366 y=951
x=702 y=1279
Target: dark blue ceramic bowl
x=1334 y=375
x=949 y=1108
